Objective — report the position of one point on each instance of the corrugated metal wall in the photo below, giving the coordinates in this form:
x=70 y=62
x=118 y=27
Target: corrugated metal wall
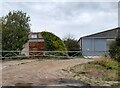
x=93 y=46
x=98 y=44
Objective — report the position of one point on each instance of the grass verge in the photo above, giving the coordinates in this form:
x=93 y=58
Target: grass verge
x=102 y=72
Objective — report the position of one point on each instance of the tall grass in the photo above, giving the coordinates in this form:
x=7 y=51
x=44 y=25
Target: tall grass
x=104 y=69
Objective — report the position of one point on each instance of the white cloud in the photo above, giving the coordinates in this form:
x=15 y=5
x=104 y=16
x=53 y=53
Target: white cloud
x=61 y=0
x=62 y=18
x=86 y=17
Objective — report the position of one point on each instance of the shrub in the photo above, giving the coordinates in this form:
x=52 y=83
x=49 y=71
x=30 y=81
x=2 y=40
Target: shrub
x=114 y=51
x=54 y=43
x=72 y=45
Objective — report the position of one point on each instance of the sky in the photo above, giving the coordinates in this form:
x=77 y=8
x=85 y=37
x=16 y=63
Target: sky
x=63 y=18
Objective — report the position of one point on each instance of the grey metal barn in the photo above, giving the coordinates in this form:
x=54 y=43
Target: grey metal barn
x=97 y=44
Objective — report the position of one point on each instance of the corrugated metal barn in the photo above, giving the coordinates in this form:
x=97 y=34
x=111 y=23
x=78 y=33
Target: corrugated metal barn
x=97 y=44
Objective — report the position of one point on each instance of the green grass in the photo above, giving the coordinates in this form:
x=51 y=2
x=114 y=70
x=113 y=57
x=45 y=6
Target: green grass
x=116 y=84
x=103 y=69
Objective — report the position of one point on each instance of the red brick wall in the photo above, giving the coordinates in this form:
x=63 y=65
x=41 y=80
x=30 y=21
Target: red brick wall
x=36 y=46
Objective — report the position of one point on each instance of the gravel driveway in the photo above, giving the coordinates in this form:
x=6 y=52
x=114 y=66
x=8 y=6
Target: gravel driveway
x=37 y=72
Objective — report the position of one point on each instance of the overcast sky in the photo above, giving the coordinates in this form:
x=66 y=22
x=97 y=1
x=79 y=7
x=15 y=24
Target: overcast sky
x=63 y=18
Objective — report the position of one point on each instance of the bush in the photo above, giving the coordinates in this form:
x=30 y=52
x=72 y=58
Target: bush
x=54 y=43
x=114 y=51
x=72 y=45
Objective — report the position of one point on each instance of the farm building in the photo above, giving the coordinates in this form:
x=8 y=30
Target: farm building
x=97 y=44
x=34 y=45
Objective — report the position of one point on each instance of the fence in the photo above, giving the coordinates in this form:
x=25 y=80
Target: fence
x=57 y=54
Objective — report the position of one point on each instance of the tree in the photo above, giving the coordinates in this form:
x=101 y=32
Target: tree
x=72 y=45
x=53 y=43
x=15 y=30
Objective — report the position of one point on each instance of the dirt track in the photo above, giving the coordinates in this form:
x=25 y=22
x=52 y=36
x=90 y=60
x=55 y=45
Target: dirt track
x=36 y=71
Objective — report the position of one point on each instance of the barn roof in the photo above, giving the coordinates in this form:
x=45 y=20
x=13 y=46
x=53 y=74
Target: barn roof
x=111 y=33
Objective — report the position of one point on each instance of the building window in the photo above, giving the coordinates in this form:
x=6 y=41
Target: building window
x=34 y=36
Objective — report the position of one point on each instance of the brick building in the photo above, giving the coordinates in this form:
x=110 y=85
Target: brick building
x=34 y=45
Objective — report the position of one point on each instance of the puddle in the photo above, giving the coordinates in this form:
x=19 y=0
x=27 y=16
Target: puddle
x=21 y=85
x=60 y=83
x=24 y=85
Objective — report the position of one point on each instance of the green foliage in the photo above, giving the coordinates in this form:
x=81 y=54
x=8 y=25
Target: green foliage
x=15 y=30
x=103 y=69
x=53 y=43
x=72 y=45
x=114 y=49
x=116 y=85
x=118 y=38
x=107 y=63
